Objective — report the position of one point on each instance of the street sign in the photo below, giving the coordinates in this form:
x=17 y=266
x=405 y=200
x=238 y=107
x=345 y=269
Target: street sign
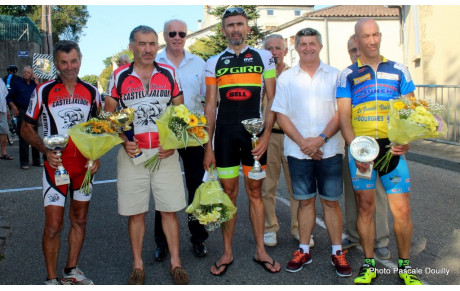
x=23 y=54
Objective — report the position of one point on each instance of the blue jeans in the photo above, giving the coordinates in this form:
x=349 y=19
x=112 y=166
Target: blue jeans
x=310 y=177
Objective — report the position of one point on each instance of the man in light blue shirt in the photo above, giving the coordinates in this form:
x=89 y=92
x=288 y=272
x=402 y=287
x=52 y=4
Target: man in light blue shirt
x=190 y=71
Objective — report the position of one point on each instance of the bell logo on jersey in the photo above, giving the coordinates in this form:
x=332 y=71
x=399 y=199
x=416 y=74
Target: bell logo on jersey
x=238 y=94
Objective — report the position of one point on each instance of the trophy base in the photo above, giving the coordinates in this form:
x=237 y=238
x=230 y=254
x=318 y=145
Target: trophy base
x=61 y=179
x=257 y=175
x=139 y=158
x=366 y=175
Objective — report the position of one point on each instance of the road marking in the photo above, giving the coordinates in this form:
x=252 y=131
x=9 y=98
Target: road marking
x=387 y=263
x=41 y=187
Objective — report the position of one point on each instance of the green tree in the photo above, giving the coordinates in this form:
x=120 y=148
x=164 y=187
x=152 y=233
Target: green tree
x=68 y=21
x=92 y=79
x=216 y=43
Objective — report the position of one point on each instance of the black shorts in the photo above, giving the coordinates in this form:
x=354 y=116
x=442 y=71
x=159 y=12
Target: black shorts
x=232 y=147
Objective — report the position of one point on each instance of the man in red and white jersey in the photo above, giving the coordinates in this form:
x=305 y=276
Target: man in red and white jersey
x=148 y=87
x=62 y=103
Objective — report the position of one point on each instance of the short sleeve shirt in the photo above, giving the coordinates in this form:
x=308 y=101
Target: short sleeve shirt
x=240 y=81
x=371 y=92
x=60 y=110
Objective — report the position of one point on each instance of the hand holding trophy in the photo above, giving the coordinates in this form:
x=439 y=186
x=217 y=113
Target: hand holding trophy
x=255 y=126
x=364 y=149
x=57 y=143
x=122 y=120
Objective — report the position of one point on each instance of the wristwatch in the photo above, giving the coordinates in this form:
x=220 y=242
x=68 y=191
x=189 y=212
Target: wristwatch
x=325 y=138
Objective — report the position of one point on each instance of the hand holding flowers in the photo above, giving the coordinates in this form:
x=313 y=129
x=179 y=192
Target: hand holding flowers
x=411 y=119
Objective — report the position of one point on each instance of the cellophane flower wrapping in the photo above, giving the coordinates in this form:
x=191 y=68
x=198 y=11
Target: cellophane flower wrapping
x=211 y=206
x=180 y=128
x=93 y=139
x=412 y=119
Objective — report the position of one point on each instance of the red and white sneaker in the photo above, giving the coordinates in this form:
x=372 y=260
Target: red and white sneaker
x=75 y=277
x=341 y=265
x=300 y=259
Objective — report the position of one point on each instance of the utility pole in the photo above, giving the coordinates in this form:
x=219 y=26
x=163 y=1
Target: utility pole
x=47 y=30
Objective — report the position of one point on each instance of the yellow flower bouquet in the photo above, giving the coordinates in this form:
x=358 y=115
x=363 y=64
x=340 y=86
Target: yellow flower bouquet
x=179 y=128
x=411 y=119
x=211 y=206
x=93 y=139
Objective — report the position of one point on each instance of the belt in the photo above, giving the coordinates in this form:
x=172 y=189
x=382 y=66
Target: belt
x=276 y=130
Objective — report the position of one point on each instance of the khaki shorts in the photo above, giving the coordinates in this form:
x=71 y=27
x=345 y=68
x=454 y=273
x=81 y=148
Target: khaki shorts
x=3 y=123
x=135 y=182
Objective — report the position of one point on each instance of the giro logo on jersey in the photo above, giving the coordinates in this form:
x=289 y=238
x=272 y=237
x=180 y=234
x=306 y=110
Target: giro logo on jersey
x=238 y=94
x=146 y=113
x=240 y=70
x=71 y=116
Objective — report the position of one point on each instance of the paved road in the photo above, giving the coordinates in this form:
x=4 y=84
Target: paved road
x=106 y=254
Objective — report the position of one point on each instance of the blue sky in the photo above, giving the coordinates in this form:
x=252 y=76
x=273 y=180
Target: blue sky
x=108 y=28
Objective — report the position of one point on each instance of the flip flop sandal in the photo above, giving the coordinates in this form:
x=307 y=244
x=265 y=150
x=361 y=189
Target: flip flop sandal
x=226 y=266
x=264 y=264
x=7 y=157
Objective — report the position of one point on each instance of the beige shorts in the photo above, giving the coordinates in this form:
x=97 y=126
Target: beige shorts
x=135 y=182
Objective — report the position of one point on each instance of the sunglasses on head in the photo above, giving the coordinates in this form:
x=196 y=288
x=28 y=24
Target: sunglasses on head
x=234 y=11
x=174 y=33
x=307 y=32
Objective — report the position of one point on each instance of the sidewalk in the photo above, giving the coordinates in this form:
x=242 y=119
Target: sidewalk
x=436 y=154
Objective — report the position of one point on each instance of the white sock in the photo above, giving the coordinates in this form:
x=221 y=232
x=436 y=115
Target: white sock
x=305 y=248
x=336 y=248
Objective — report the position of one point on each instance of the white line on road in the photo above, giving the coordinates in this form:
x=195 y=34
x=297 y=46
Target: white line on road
x=41 y=187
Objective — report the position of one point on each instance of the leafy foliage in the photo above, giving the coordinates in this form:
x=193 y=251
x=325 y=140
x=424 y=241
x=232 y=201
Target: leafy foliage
x=68 y=21
x=208 y=46
x=92 y=79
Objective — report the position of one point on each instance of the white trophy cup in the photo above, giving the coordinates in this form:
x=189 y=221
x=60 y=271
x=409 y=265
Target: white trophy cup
x=57 y=143
x=255 y=126
x=364 y=149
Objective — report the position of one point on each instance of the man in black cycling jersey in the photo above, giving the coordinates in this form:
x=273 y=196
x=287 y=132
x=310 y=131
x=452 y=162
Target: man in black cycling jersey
x=239 y=74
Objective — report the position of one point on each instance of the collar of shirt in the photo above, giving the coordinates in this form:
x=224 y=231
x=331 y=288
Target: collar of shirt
x=233 y=52
x=162 y=57
x=360 y=64
x=322 y=67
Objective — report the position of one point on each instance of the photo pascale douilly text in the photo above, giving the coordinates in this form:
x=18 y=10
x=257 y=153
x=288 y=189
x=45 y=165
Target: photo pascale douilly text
x=414 y=271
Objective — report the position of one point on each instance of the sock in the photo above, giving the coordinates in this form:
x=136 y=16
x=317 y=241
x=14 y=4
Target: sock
x=305 y=248
x=370 y=262
x=68 y=270
x=336 y=248
x=403 y=263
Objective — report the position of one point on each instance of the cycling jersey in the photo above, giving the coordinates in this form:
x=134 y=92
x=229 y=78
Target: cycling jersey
x=370 y=93
x=148 y=105
x=60 y=110
x=240 y=80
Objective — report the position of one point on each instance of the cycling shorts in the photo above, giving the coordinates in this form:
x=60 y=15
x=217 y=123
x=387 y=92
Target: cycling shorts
x=395 y=181
x=74 y=162
x=232 y=144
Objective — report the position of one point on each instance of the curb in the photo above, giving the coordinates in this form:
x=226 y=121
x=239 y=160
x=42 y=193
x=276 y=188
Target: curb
x=434 y=162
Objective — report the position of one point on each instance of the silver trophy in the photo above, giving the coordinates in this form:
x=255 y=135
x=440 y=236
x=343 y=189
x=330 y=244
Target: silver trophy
x=255 y=126
x=364 y=149
x=57 y=143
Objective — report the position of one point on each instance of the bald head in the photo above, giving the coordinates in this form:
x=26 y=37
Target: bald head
x=368 y=39
x=123 y=60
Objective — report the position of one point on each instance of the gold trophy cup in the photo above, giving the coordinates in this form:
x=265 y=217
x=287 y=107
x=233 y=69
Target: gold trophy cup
x=122 y=120
x=57 y=143
x=255 y=126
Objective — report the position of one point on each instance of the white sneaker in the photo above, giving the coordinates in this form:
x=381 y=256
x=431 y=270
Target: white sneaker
x=76 y=277
x=312 y=242
x=52 y=282
x=270 y=239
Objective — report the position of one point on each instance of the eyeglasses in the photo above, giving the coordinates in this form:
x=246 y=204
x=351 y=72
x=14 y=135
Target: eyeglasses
x=353 y=50
x=234 y=11
x=174 y=33
x=307 y=32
